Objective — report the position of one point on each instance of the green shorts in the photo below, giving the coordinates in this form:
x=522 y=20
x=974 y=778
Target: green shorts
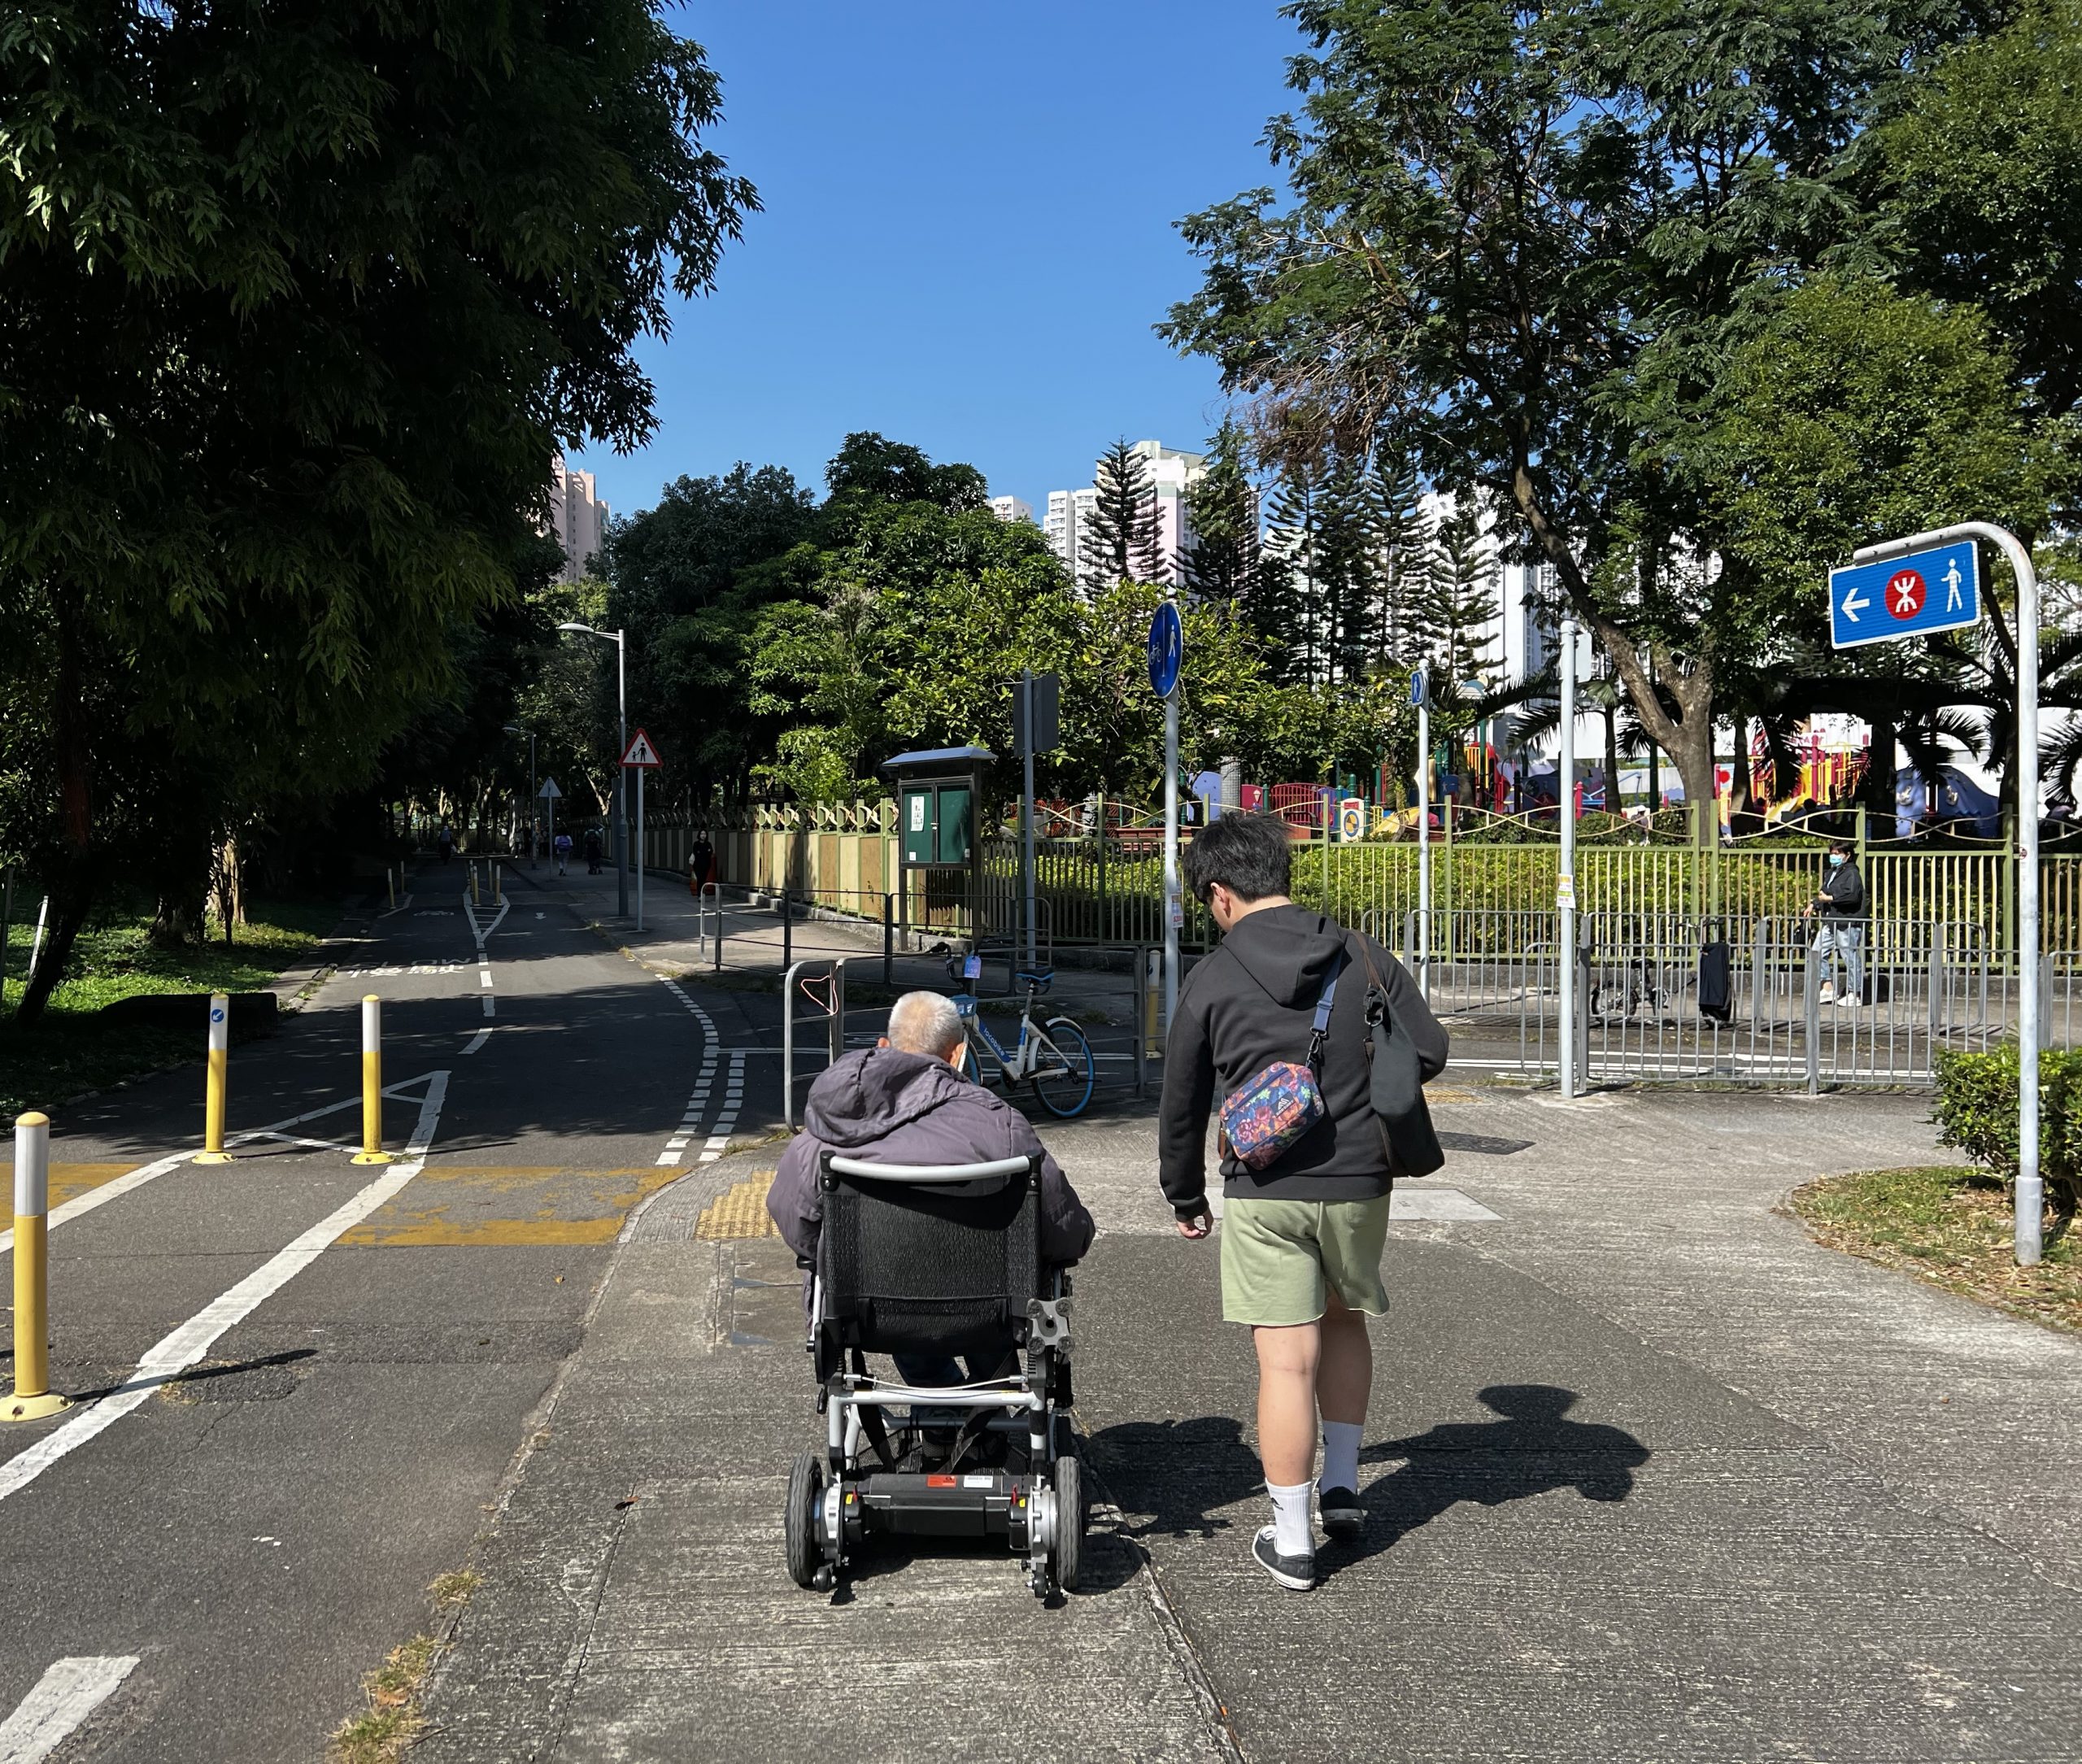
x=1280 y=1258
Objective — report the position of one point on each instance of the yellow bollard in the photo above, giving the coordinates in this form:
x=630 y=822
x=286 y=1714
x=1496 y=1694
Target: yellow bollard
x=33 y=1399
x=390 y=887
x=498 y=884
x=371 y=1082
x=213 y=1096
x=474 y=900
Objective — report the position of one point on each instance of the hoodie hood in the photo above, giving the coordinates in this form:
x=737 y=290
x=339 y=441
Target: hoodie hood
x=870 y=1095
x=1288 y=951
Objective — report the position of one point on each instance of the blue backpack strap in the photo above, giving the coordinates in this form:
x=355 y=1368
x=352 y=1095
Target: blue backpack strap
x=1319 y=1029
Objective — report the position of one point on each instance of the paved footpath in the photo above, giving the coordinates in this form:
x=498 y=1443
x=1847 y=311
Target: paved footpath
x=1647 y=1475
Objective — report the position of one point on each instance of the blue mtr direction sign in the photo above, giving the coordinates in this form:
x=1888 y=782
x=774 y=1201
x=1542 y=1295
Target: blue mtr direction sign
x=1918 y=596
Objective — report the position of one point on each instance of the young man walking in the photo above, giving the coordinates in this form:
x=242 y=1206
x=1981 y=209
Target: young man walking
x=1302 y=1237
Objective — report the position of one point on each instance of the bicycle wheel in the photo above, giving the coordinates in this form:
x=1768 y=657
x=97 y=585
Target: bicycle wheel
x=968 y=1068
x=1062 y=1068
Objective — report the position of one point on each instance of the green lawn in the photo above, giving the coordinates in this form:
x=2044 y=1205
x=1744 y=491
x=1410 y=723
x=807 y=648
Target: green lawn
x=1952 y=1227
x=73 y=1050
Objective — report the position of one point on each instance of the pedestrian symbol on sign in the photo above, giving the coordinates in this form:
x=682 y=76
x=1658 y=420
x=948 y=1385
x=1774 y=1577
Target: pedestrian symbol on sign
x=1905 y=592
x=1954 y=582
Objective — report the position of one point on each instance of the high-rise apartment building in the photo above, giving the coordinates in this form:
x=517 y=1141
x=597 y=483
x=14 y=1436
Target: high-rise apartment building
x=1012 y=508
x=578 y=518
x=1069 y=519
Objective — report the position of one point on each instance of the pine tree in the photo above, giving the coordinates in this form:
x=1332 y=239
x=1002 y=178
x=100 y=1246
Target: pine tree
x=1344 y=564
x=1458 y=606
x=1298 y=639
x=1223 y=564
x=1402 y=548
x=1125 y=540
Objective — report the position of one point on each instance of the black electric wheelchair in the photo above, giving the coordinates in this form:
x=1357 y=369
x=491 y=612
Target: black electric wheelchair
x=937 y=1260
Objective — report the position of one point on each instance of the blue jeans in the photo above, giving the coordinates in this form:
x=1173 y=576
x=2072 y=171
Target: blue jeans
x=1850 y=941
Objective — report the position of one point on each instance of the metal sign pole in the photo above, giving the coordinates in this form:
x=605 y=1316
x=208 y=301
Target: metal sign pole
x=1566 y=891
x=1172 y=901
x=640 y=771
x=1027 y=802
x=1423 y=690
x=2028 y=1221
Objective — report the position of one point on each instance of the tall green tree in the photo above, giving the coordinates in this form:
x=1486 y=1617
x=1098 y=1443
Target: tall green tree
x=1457 y=605
x=1492 y=213
x=1401 y=541
x=1124 y=540
x=295 y=303
x=1221 y=506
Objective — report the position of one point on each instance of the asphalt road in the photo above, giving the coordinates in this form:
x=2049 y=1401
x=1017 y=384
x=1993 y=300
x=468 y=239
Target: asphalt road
x=258 y=1532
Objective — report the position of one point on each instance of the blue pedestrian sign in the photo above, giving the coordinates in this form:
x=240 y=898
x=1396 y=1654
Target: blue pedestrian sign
x=1925 y=592
x=1420 y=688
x=1167 y=649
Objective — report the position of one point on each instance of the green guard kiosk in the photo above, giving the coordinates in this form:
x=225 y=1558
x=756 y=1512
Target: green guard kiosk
x=938 y=790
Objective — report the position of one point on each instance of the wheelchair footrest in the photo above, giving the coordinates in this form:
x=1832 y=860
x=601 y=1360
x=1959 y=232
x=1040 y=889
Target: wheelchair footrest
x=964 y=1504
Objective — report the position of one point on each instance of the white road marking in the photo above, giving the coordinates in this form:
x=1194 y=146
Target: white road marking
x=490 y=1010
x=727 y=1121
x=70 y=1690
x=175 y=1353
x=1437 y=1204
x=131 y=1180
x=477 y=1041
x=399 y=908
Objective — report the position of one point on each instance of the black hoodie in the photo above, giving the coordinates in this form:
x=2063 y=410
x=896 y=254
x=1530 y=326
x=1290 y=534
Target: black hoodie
x=1251 y=1004
x=882 y=1104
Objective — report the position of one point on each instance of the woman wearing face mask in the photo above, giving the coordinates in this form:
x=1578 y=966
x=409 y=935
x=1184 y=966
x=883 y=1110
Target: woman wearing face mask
x=1840 y=909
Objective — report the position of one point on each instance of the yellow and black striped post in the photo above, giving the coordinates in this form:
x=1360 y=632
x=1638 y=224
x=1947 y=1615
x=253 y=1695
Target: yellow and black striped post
x=371 y=1082
x=34 y=1398
x=215 y=1082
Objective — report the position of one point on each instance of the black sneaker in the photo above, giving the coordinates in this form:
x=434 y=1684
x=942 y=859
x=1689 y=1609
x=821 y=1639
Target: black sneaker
x=1343 y=1518
x=1297 y=1574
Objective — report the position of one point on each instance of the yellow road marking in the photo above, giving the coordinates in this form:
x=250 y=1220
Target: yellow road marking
x=67 y=1180
x=507 y=1206
x=1445 y=1093
x=739 y=1213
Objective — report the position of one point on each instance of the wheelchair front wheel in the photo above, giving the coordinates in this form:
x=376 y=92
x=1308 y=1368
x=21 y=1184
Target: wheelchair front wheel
x=1062 y=1069
x=806 y=1478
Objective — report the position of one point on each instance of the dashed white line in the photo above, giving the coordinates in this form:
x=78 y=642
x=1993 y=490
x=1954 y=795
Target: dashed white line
x=477 y=1041
x=70 y=1690
x=704 y=1083
x=175 y=1353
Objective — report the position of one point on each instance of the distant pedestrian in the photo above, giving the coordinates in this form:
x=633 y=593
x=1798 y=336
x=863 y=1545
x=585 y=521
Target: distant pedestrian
x=592 y=851
x=1305 y=1204
x=445 y=843
x=699 y=862
x=563 y=845
x=1840 y=909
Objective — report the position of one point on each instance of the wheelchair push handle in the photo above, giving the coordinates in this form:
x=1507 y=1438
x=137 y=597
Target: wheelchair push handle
x=931 y=1172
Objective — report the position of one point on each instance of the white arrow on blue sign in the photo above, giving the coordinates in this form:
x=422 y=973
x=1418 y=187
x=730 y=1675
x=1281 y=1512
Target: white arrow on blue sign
x=1926 y=592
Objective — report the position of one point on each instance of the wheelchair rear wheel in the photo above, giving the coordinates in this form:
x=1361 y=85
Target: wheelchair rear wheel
x=1066 y=1551
x=806 y=1479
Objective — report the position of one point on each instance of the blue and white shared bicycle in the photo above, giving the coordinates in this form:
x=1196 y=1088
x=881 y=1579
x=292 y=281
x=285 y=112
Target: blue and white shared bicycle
x=1052 y=1054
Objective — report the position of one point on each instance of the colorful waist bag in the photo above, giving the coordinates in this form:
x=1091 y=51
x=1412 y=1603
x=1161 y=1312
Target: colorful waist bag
x=1267 y=1115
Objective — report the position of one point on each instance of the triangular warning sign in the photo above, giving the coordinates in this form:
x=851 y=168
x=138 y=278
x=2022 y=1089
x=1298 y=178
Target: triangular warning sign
x=640 y=752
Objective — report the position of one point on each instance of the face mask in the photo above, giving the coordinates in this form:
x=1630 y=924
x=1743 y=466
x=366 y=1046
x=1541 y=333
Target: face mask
x=1835 y=859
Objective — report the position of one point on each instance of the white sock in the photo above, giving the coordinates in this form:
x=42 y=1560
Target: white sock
x=1289 y=1520
x=1341 y=1454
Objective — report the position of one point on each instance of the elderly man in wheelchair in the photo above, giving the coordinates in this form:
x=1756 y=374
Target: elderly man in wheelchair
x=932 y=1227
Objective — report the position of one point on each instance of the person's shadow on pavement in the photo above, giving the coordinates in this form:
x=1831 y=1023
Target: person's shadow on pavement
x=1179 y=1473
x=1535 y=1449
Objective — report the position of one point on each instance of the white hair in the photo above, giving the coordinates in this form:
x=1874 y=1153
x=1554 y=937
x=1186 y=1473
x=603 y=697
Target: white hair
x=924 y=1022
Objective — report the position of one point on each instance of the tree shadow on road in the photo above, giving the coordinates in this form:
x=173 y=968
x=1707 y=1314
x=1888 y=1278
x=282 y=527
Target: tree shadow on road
x=1533 y=1449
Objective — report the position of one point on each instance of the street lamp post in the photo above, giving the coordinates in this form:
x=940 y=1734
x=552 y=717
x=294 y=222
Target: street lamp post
x=619 y=639
x=512 y=729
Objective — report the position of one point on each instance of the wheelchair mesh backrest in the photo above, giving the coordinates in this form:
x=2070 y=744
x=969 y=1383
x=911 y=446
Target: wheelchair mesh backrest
x=908 y=1267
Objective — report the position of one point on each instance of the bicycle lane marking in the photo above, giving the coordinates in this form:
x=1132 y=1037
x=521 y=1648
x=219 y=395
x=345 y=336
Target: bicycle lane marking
x=70 y=1690
x=700 y=1099
x=181 y=1348
x=478 y=935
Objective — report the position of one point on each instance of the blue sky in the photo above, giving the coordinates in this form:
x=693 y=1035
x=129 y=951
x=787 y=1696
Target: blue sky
x=968 y=232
